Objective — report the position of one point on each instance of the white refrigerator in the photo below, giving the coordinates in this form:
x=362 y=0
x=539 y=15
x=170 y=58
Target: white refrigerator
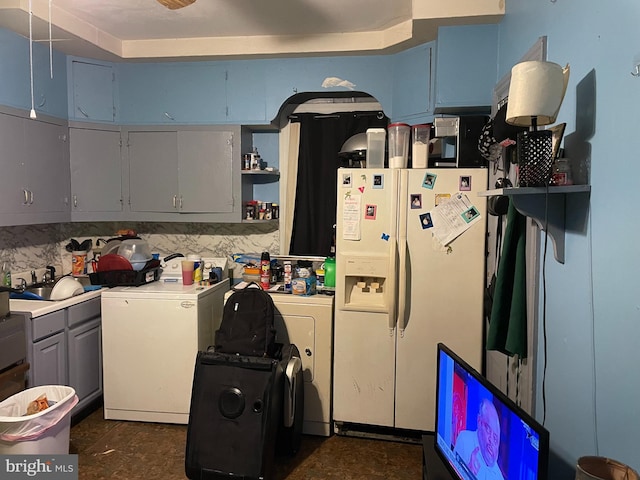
x=402 y=286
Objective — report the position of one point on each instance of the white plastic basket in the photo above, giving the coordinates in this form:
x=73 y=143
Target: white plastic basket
x=45 y=432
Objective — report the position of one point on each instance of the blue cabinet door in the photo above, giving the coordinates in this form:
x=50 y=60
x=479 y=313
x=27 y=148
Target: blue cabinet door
x=172 y=93
x=49 y=91
x=93 y=92
x=246 y=92
x=412 y=82
x=466 y=59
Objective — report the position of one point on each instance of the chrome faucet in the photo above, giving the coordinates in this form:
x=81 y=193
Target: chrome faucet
x=34 y=278
x=50 y=275
x=22 y=284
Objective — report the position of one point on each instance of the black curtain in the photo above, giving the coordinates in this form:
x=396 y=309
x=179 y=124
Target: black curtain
x=321 y=138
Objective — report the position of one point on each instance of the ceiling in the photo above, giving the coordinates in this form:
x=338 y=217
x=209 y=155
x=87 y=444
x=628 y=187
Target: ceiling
x=213 y=29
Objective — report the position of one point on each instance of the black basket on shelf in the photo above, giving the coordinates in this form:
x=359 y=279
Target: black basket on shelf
x=125 y=278
x=535 y=158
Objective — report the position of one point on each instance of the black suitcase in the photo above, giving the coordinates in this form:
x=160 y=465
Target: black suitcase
x=237 y=416
x=236 y=404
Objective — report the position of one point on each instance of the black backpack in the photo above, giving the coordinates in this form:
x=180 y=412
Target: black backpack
x=248 y=324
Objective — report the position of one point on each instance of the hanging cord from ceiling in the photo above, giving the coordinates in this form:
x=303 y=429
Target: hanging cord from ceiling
x=32 y=114
x=50 y=44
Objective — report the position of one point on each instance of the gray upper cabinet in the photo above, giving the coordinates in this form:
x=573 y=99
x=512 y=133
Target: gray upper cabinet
x=12 y=158
x=184 y=174
x=96 y=173
x=93 y=92
x=47 y=148
x=35 y=184
x=153 y=171
x=205 y=171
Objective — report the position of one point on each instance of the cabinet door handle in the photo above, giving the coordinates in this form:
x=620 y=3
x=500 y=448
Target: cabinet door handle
x=175 y=201
x=166 y=114
x=25 y=192
x=75 y=201
x=180 y=202
x=83 y=112
x=30 y=197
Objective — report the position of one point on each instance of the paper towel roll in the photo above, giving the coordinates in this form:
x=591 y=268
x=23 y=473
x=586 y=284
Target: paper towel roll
x=536 y=90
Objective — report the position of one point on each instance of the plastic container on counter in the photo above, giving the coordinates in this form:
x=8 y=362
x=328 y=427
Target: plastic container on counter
x=399 y=134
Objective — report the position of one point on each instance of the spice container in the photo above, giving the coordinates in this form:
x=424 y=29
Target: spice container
x=561 y=172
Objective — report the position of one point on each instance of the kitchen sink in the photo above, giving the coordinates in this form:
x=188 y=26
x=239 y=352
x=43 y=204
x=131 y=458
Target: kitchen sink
x=43 y=292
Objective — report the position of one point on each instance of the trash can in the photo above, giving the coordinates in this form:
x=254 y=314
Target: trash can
x=602 y=468
x=45 y=432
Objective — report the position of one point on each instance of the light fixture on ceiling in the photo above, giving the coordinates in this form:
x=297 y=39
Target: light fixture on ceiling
x=175 y=4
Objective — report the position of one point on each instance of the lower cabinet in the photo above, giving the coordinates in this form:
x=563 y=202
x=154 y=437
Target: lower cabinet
x=65 y=348
x=49 y=362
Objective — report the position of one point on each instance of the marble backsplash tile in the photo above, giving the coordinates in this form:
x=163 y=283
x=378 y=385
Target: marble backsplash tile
x=36 y=246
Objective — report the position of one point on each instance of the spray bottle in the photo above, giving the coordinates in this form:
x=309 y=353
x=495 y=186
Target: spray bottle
x=265 y=271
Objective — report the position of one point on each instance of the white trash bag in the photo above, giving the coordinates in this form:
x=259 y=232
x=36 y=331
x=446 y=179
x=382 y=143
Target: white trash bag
x=15 y=426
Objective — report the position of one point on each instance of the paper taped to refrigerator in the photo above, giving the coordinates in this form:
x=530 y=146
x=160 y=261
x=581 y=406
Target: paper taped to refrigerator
x=453 y=217
x=351 y=217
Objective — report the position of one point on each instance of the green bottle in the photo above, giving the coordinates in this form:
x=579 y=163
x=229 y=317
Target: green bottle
x=6 y=275
x=330 y=272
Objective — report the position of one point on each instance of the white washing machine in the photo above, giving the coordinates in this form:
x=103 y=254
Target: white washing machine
x=307 y=322
x=151 y=335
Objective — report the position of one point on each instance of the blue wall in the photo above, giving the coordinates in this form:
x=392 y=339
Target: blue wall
x=593 y=300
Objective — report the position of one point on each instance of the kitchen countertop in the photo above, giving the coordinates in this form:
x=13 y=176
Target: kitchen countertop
x=37 y=308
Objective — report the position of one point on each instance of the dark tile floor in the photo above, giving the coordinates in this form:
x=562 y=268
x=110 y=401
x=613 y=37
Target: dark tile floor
x=109 y=449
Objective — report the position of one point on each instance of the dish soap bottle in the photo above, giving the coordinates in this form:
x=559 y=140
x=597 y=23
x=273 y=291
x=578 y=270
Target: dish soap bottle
x=265 y=271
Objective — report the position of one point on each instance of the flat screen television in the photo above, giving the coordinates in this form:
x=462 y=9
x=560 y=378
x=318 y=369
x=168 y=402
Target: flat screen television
x=480 y=433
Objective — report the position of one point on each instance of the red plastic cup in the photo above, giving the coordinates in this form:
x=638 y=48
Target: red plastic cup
x=187 y=272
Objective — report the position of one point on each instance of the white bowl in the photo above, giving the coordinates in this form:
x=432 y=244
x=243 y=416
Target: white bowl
x=66 y=287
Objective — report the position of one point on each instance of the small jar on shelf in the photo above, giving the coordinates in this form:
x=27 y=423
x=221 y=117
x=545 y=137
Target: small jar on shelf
x=561 y=173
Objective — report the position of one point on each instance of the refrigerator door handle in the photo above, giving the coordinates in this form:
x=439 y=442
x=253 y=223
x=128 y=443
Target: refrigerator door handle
x=402 y=250
x=393 y=254
x=402 y=286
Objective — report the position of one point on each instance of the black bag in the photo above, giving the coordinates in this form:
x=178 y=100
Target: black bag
x=248 y=324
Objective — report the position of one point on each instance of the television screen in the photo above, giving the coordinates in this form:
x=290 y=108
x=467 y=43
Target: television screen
x=480 y=433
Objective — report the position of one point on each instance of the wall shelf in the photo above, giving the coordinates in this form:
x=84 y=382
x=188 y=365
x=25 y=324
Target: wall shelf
x=547 y=211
